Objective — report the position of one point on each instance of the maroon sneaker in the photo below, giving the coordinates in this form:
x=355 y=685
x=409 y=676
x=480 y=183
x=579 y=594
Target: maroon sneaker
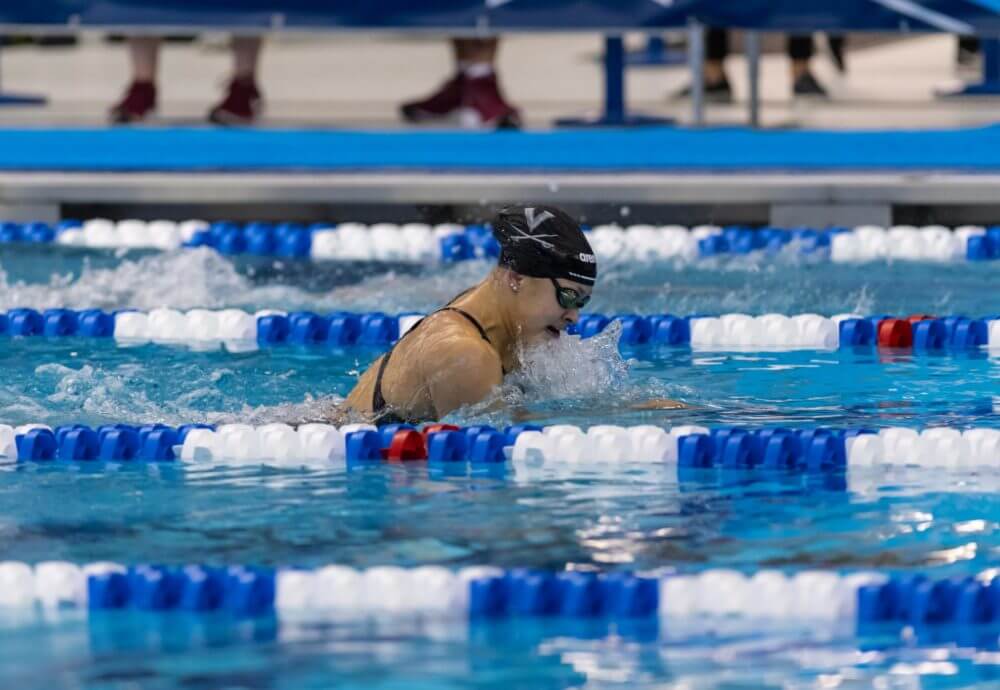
x=484 y=107
x=241 y=106
x=441 y=103
x=136 y=105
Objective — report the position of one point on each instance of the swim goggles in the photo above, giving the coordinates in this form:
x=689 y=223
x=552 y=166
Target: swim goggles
x=569 y=298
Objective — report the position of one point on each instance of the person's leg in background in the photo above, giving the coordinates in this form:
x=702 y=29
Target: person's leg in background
x=800 y=52
x=968 y=51
x=717 y=88
x=838 y=51
x=473 y=92
x=240 y=106
x=716 y=51
x=139 y=100
x=242 y=103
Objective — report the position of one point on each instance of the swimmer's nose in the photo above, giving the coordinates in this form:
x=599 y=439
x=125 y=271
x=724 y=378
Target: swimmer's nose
x=571 y=317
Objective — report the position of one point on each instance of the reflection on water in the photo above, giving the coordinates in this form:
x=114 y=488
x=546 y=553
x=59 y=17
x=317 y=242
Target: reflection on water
x=182 y=651
x=553 y=517
x=626 y=516
x=587 y=382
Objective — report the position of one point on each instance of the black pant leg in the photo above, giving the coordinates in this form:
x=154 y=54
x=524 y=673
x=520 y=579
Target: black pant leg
x=716 y=45
x=800 y=47
x=969 y=43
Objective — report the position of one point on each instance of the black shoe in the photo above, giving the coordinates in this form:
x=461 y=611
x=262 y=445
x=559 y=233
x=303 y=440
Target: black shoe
x=807 y=86
x=969 y=51
x=717 y=92
x=838 y=53
x=56 y=41
x=968 y=57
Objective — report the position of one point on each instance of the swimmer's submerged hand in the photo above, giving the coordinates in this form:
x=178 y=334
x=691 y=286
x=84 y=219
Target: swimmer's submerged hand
x=659 y=404
x=520 y=414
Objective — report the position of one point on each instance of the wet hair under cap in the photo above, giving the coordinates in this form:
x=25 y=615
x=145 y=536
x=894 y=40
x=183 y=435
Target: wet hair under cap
x=544 y=242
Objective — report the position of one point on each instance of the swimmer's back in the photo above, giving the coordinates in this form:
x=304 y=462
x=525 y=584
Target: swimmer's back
x=445 y=362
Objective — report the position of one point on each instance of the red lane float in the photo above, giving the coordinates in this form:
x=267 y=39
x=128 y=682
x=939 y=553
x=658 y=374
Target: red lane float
x=897 y=333
x=406 y=444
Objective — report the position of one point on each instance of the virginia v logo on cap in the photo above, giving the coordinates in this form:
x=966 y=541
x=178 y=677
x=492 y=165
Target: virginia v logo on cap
x=533 y=223
x=533 y=220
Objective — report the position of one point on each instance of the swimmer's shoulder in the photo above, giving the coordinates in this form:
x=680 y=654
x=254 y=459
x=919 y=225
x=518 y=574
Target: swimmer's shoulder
x=475 y=353
x=463 y=371
x=458 y=346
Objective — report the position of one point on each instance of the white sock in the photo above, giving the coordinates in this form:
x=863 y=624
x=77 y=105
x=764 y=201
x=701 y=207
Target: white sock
x=477 y=70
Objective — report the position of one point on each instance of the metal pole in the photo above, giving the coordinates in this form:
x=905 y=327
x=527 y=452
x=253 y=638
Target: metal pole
x=991 y=60
x=696 y=58
x=614 y=78
x=752 y=50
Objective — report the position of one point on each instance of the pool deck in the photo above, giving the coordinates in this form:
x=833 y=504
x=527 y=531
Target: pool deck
x=358 y=81
x=328 y=88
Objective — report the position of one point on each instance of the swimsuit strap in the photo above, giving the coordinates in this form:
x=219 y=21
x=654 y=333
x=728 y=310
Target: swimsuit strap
x=479 y=327
x=378 y=400
x=471 y=319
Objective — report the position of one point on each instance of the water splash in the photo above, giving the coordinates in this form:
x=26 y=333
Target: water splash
x=571 y=367
x=571 y=379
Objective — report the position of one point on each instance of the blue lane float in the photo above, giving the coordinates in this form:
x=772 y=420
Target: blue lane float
x=81 y=443
x=269 y=328
x=690 y=448
x=481 y=592
x=449 y=243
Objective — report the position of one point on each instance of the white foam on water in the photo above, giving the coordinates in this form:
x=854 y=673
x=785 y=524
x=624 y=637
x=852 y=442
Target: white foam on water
x=324 y=409
x=117 y=394
x=182 y=279
x=191 y=278
x=90 y=391
x=394 y=292
x=201 y=277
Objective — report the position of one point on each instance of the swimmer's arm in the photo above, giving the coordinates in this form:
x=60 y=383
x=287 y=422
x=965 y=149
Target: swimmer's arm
x=465 y=373
x=522 y=415
x=658 y=404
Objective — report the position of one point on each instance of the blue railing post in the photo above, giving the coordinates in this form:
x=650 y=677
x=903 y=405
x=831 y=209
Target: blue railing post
x=990 y=83
x=991 y=61
x=615 y=111
x=614 y=78
x=656 y=53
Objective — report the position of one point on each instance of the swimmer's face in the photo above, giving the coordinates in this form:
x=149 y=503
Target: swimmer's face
x=541 y=316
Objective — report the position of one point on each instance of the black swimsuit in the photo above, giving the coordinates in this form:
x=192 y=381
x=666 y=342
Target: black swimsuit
x=379 y=404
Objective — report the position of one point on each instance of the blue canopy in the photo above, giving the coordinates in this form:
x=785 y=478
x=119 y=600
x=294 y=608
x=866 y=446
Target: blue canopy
x=982 y=16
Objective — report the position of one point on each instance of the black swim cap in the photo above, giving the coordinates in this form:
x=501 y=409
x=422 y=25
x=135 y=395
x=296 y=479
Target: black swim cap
x=544 y=242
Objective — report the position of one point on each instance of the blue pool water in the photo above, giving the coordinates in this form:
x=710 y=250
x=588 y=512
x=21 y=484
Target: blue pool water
x=98 y=382
x=632 y=517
